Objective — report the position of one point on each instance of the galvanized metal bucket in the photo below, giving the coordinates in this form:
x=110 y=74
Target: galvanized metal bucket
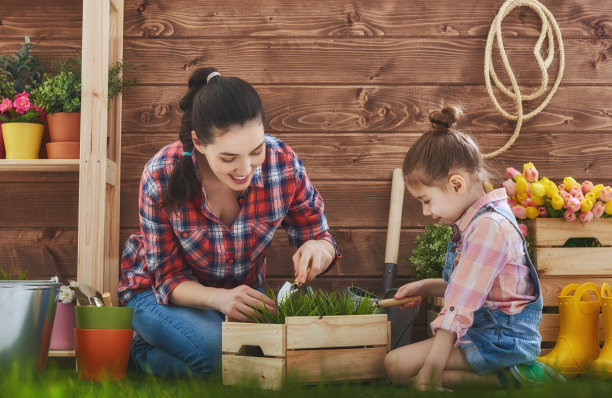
x=27 y=311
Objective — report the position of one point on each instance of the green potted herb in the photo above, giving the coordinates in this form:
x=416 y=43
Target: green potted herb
x=428 y=258
x=23 y=69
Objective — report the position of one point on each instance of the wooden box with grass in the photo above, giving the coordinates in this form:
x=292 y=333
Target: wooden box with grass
x=568 y=252
x=305 y=349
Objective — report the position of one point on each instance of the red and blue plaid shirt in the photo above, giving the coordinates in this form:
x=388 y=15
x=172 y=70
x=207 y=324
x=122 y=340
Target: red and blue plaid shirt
x=193 y=244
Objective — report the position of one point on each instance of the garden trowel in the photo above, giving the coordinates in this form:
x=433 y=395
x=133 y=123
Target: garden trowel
x=290 y=289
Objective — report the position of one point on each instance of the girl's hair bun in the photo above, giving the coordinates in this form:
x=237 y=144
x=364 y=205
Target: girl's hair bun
x=446 y=117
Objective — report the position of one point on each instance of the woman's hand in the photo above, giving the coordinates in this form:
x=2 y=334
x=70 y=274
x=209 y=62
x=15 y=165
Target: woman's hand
x=312 y=258
x=411 y=289
x=240 y=302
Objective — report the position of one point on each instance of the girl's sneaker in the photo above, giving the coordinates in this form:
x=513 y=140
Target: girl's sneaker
x=536 y=373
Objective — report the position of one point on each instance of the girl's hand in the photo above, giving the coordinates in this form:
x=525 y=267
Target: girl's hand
x=408 y=290
x=240 y=302
x=312 y=258
x=427 y=380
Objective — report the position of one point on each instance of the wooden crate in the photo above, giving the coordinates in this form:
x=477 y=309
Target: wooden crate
x=305 y=349
x=559 y=266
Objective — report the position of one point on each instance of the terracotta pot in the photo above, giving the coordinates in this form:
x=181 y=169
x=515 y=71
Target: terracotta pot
x=63 y=150
x=22 y=140
x=102 y=354
x=62 y=337
x=64 y=126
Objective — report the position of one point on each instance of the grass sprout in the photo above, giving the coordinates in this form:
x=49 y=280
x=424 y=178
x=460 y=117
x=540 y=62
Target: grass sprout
x=315 y=303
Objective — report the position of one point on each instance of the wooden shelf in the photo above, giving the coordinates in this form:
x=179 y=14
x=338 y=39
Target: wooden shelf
x=50 y=165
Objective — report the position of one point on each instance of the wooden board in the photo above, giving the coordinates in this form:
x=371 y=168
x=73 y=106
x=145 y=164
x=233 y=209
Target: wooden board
x=316 y=60
x=270 y=338
x=267 y=372
x=336 y=331
x=582 y=262
x=359 y=19
x=555 y=232
x=549 y=328
x=336 y=364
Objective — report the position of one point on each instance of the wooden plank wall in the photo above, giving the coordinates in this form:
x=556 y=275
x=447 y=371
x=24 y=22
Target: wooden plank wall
x=348 y=84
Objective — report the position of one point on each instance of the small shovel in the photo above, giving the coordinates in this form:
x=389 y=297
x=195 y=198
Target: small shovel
x=289 y=289
x=93 y=296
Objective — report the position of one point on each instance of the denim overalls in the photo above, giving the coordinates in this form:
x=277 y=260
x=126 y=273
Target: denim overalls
x=496 y=340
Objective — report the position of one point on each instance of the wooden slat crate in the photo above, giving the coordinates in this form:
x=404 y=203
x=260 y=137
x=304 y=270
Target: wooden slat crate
x=305 y=349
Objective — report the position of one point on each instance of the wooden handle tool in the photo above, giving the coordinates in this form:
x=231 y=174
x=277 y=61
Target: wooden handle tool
x=393 y=302
x=106 y=298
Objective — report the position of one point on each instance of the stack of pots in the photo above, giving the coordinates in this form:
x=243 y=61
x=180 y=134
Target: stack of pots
x=102 y=341
x=65 y=134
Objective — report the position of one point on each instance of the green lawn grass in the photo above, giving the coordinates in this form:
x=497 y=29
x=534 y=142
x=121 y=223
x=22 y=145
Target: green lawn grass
x=61 y=381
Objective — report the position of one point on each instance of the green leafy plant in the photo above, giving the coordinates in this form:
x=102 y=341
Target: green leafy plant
x=7 y=88
x=62 y=92
x=5 y=276
x=428 y=258
x=23 y=68
x=316 y=303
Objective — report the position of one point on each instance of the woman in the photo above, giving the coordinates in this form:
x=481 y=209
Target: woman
x=209 y=206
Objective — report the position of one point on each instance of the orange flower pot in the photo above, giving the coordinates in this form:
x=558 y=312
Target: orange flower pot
x=22 y=140
x=64 y=126
x=63 y=150
x=102 y=354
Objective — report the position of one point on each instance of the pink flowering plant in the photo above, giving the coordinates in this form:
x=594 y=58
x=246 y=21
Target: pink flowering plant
x=19 y=109
x=530 y=197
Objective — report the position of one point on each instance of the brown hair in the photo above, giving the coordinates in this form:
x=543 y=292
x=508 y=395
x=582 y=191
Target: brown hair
x=441 y=150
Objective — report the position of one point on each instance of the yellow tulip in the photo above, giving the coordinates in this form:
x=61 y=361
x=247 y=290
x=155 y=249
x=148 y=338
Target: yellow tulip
x=532 y=212
x=521 y=197
x=521 y=185
x=538 y=190
x=597 y=190
x=568 y=183
x=544 y=180
x=551 y=189
x=586 y=205
x=557 y=202
x=609 y=208
x=538 y=200
x=591 y=196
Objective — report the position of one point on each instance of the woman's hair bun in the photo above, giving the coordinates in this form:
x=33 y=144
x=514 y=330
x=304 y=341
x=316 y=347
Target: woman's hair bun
x=446 y=117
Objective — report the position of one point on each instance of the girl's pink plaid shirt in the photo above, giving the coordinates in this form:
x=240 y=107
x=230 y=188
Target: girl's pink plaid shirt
x=193 y=243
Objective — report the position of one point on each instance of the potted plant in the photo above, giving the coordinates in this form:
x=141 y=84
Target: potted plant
x=60 y=96
x=22 y=127
x=18 y=73
x=62 y=336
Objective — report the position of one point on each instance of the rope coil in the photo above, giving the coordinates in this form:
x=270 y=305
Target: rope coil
x=550 y=30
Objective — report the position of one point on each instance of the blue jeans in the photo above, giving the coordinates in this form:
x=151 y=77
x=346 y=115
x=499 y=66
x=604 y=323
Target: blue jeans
x=175 y=341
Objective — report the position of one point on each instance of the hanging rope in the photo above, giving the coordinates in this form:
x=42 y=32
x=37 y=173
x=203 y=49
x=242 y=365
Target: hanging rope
x=549 y=28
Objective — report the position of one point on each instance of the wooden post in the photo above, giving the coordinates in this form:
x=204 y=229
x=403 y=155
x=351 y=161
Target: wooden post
x=99 y=171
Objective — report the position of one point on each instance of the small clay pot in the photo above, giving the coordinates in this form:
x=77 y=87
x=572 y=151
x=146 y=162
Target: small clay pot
x=102 y=354
x=63 y=150
x=64 y=126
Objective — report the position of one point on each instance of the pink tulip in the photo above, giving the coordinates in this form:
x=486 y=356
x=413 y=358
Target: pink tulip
x=523 y=229
x=512 y=172
x=579 y=196
x=529 y=203
x=606 y=193
x=510 y=187
x=598 y=209
x=561 y=188
x=586 y=216
x=543 y=211
x=519 y=212
x=586 y=187
x=569 y=216
x=576 y=190
x=572 y=204
x=564 y=195
x=531 y=174
x=512 y=203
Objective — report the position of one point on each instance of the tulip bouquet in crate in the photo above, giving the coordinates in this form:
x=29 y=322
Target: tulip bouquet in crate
x=530 y=197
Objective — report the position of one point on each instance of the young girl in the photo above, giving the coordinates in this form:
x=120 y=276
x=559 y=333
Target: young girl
x=492 y=301
x=209 y=206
